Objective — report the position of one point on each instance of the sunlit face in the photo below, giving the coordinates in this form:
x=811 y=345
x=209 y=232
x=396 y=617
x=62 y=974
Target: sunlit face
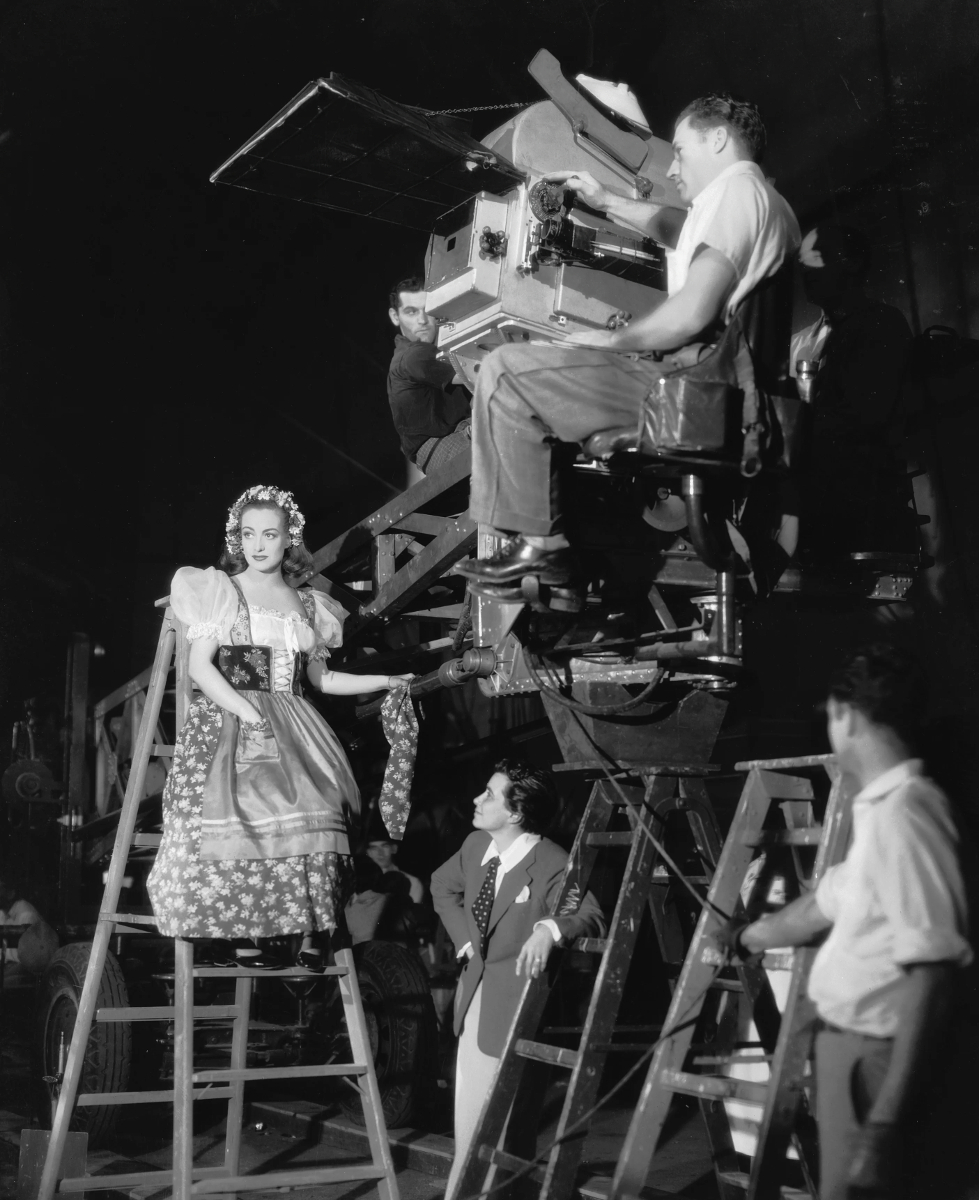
x=263 y=538
x=695 y=162
x=412 y=319
x=382 y=853
x=492 y=814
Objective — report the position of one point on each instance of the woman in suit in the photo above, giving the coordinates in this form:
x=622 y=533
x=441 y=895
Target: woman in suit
x=496 y=898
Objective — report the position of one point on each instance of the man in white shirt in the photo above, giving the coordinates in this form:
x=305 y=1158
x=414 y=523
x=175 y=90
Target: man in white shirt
x=496 y=899
x=884 y=981
x=737 y=233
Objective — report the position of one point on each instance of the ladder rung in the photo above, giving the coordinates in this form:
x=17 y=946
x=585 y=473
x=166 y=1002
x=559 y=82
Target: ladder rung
x=590 y=945
x=510 y=1162
x=230 y=1074
x=558 y=1056
x=148 y=840
x=96 y=1183
x=809 y=836
x=128 y=918
x=608 y=839
x=726 y=985
x=158 y=750
x=302 y=1177
x=167 y=1013
x=719 y=1087
x=739 y=1179
x=257 y=973
x=93 y=1099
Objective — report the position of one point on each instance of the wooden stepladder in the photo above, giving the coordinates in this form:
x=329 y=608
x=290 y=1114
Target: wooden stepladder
x=648 y=796
x=712 y=996
x=188 y=1084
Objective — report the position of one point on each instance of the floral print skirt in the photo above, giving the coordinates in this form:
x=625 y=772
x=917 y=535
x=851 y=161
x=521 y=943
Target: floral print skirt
x=232 y=898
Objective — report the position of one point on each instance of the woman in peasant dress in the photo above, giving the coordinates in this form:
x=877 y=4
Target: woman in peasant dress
x=257 y=806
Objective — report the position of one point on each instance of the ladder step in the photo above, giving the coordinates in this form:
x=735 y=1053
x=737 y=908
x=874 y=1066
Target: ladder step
x=158 y=750
x=811 y=835
x=96 y=1183
x=556 y=1055
x=302 y=1177
x=256 y=973
x=510 y=1162
x=718 y=1087
x=165 y=1012
x=739 y=1179
x=590 y=945
x=230 y=1074
x=608 y=839
x=162 y=1096
x=216 y=1181
x=128 y=918
x=147 y=841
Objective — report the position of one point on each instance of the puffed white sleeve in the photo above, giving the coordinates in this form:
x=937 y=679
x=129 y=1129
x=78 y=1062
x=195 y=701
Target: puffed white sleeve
x=205 y=601
x=328 y=618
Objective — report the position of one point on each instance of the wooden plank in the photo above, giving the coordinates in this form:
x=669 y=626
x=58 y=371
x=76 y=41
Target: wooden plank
x=422 y=523
x=558 y=1056
x=162 y=1096
x=717 y=1087
x=458 y=467
x=229 y=1075
x=299 y=1177
x=414 y=578
x=165 y=1012
x=122 y=693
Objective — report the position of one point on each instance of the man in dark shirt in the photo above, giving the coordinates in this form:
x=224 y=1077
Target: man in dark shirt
x=855 y=498
x=431 y=413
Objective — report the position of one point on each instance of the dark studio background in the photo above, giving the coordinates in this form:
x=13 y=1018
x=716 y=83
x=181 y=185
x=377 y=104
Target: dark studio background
x=161 y=335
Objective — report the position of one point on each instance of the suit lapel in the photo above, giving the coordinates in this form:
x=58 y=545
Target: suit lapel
x=513 y=882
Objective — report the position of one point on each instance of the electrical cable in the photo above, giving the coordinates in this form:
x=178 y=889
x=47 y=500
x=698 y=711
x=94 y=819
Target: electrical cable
x=593 y=710
x=682 y=1023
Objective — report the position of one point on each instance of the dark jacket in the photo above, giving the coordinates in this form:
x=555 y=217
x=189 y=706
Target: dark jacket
x=455 y=886
x=424 y=401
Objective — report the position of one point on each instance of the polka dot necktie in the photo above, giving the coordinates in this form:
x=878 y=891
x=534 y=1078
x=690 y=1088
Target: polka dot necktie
x=483 y=904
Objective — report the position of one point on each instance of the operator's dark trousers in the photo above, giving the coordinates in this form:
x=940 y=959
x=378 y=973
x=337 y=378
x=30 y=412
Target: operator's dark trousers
x=527 y=397
x=940 y=1147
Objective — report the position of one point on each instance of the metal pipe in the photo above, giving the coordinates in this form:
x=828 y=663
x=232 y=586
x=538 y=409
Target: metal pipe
x=725 y=633
x=703 y=540
x=480 y=661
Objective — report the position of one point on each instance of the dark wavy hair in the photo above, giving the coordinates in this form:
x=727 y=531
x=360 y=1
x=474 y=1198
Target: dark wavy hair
x=887 y=684
x=530 y=794
x=296 y=561
x=741 y=117
x=414 y=283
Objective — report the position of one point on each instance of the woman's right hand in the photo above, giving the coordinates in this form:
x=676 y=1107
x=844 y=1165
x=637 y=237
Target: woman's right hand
x=252 y=717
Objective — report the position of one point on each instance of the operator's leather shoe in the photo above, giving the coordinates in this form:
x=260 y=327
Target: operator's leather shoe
x=517 y=558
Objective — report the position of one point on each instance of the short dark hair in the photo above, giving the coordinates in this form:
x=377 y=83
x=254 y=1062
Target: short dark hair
x=885 y=683
x=414 y=283
x=741 y=117
x=530 y=794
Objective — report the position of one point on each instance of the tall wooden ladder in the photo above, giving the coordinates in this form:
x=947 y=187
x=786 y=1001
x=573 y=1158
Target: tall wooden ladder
x=648 y=796
x=228 y=1083
x=711 y=996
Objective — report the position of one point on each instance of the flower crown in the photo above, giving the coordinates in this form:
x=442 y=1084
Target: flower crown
x=268 y=495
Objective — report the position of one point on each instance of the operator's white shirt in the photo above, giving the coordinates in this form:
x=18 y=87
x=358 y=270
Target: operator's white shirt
x=740 y=215
x=897 y=899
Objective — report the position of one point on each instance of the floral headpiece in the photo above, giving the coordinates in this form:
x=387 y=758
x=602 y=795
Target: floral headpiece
x=269 y=495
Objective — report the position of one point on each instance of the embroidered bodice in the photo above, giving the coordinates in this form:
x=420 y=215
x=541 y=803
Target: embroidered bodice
x=210 y=605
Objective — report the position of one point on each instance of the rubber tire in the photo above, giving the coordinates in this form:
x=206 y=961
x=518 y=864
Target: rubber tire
x=109 y=1051
x=402 y=1027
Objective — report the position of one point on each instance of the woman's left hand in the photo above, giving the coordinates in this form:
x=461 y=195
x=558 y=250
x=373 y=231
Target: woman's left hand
x=395 y=681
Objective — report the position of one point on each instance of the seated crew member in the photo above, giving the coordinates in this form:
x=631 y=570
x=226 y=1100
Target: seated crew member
x=495 y=898
x=430 y=408
x=855 y=495
x=887 y=979
x=737 y=233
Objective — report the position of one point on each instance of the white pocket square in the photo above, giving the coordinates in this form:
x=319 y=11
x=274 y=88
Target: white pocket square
x=523 y=895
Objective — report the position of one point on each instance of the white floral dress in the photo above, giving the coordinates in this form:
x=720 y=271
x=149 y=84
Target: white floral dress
x=255 y=820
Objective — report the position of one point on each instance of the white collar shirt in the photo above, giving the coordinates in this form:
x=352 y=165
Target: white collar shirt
x=511 y=857
x=897 y=899
x=740 y=215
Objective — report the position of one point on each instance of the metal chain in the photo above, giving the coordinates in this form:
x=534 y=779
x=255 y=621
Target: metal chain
x=447 y=112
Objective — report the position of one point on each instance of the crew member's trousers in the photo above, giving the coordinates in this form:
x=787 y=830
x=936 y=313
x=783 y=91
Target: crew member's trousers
x=529 y=396
x=938 y=1145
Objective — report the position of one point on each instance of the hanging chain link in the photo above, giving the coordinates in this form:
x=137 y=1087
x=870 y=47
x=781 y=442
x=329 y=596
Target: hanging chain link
x=447 y=112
